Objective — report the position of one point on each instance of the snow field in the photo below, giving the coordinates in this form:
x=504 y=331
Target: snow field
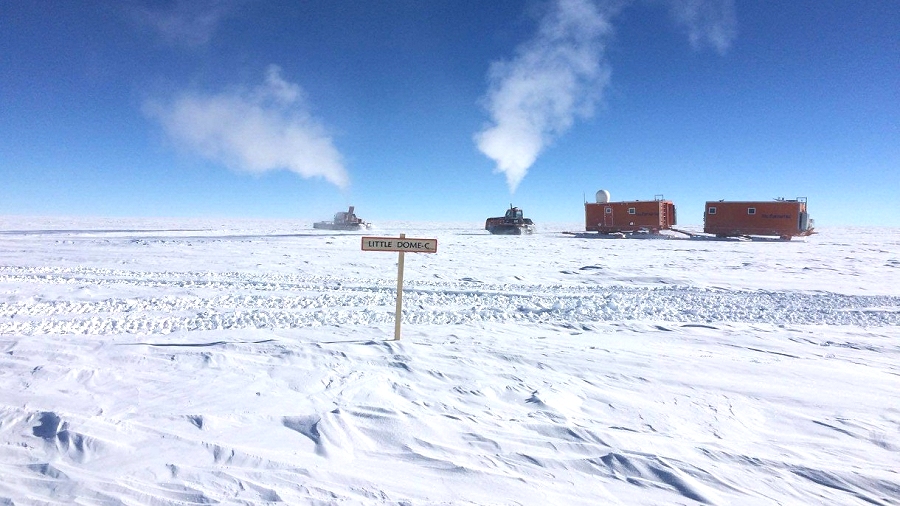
x=196 y=363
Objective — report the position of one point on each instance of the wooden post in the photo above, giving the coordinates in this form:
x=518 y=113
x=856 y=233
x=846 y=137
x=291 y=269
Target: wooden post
x=401 y=246
x=398 y=313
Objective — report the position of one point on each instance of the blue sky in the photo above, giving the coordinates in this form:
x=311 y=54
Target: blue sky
x=447 y=109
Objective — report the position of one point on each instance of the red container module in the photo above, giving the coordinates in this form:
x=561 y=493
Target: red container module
x=780 y=217
x=632 y=216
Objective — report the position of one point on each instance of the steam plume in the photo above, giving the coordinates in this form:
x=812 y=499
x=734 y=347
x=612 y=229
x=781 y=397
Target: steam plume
x=559 y=75
x=554 y=78
x=185 y=22
x=266 y=128
x=707 y=22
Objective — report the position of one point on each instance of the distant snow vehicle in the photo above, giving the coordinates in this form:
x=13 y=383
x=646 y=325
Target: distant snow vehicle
x=343 y=221
x=513 y=223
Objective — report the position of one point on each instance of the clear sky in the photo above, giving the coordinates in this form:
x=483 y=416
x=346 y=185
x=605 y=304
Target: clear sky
x=447 y=110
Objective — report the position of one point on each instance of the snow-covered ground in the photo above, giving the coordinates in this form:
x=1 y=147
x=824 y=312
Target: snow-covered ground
x=251 y=362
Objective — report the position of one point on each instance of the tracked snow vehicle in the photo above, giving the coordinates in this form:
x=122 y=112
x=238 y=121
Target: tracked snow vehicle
x=512 y=223
x=343 y=221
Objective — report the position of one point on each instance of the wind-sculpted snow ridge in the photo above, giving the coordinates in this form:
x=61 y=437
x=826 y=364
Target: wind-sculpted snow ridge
x=275 y=301
x=609 y=413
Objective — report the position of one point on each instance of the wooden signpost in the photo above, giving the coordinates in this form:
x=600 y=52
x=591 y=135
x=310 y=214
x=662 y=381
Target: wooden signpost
x=402 y=245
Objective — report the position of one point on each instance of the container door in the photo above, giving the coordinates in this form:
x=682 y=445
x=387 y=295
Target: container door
x=608 y=217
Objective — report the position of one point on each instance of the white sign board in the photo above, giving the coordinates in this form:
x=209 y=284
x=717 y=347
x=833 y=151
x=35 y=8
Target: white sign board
x=401 y=244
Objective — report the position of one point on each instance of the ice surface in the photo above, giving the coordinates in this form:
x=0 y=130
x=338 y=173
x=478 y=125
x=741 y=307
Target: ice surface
x=250 y=362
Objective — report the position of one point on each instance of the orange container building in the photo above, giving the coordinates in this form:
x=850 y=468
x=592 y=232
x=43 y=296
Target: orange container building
x=632 y=216
x=781 y=218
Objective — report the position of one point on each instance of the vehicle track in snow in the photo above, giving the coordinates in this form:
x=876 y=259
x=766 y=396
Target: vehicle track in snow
x=115 y=301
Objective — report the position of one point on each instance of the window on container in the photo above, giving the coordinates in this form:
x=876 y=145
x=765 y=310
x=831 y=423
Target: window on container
x=608 y=210
x=751 y=210
x=631 y=210
x=712 y=210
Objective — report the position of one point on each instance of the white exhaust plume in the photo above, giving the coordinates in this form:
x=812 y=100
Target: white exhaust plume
x=555 y=77
x=263 y=129
x=709 y=22
x=559 y=75
x=189 y=23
